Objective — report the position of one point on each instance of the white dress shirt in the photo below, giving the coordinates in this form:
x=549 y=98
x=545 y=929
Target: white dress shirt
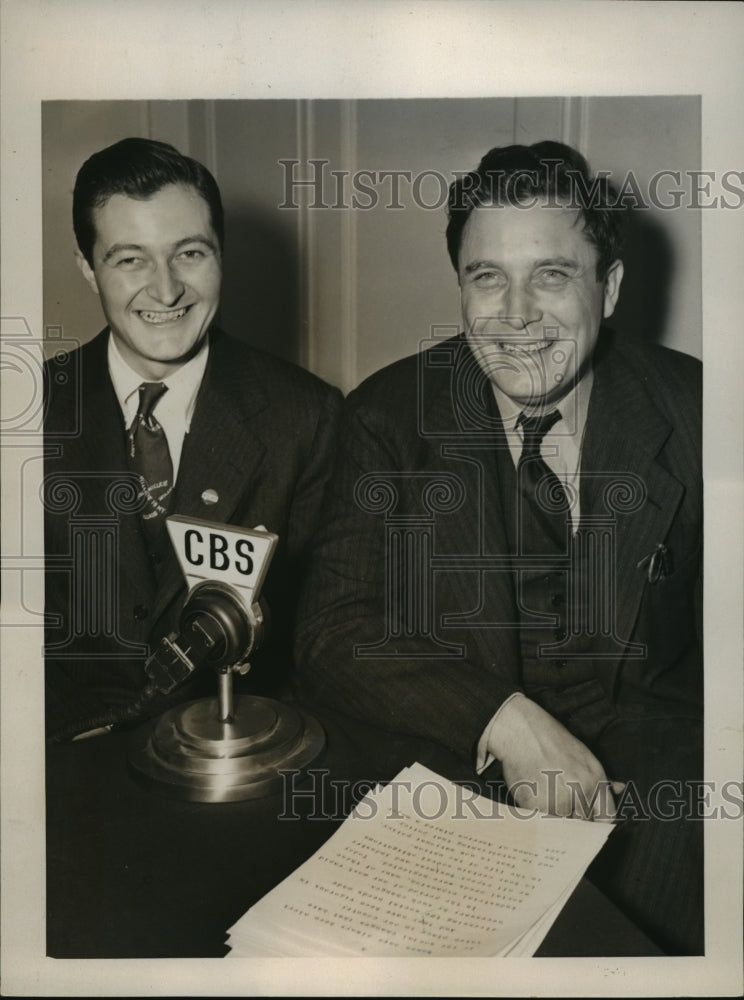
x=174 y=409
x=561 y=446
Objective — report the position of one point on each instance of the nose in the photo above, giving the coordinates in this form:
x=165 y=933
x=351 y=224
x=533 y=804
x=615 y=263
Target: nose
x=165 y=286
x=520 y=307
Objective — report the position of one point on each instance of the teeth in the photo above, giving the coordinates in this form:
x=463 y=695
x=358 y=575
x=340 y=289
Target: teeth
x=163 y=317
x=532 y=348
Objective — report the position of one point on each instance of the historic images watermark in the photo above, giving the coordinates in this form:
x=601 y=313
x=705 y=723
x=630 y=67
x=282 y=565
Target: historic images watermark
x=22 y=425
x=315 y=184
x=314 y=795
x=411 y=507
x=93 y=551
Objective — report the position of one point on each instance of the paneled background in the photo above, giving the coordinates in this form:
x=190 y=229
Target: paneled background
x=345 y=290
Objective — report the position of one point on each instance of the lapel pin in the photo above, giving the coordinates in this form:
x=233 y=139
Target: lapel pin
x=210 y=497
x=658 y=564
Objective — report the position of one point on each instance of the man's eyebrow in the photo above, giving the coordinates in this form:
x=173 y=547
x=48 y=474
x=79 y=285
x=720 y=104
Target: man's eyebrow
x=564 y=262
x=477 y=264
x=196 y=238
x=118 y=248
x=124 y=247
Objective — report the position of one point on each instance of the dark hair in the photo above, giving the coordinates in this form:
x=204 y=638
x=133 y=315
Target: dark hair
x=138 y=168
x=511 y=175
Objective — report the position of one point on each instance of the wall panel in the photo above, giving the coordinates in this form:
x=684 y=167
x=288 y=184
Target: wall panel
x=353 y=273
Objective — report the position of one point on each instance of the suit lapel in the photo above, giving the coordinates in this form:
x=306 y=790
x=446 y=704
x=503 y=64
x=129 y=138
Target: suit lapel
x=221 y=454
x=624 y=436
x=104 y=455
x=467 y=431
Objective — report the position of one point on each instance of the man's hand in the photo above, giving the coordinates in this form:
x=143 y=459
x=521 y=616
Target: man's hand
x=546 y=768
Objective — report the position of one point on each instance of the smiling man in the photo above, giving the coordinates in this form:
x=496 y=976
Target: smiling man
x=532 y=300
x=524 y=506
x=156 y=266
x=162 y=413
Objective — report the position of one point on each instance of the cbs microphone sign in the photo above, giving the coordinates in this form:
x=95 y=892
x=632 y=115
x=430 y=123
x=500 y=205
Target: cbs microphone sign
x=209 y=551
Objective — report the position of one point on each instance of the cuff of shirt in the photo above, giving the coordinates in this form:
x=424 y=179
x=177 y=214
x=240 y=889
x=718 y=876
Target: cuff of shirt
x=483 y=757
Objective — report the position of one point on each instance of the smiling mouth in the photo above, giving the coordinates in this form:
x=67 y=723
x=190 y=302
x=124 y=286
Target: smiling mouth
x=532 y=347
x=158 y=318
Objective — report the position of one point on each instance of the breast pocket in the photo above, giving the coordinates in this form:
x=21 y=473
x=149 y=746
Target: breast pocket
x=671 y=613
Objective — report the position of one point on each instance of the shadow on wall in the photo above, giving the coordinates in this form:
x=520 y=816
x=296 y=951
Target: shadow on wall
x=262 y=301
x=260 y=285
x=643 y=306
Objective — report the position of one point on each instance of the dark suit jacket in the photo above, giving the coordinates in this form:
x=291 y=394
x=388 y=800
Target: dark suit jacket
x=416 y=469
x=262 y=439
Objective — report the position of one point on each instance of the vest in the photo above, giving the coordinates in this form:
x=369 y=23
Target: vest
x=556 y=593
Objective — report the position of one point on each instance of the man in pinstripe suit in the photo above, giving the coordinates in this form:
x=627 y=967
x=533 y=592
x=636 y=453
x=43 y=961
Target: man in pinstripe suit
x=248 y=437
x=511 y=563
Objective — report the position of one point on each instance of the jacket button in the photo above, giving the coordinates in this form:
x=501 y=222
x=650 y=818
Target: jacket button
x=140 y=612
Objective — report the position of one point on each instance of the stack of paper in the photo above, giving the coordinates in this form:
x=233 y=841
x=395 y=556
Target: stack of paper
x=425 y=867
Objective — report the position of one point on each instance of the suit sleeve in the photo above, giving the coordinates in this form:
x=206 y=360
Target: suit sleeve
x=312 y=481
x=297 y=484
x=351 y=653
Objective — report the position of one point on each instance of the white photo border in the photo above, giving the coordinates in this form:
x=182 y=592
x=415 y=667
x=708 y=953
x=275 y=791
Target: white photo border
x=97 y=49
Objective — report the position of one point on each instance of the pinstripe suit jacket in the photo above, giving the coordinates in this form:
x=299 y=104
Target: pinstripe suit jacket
x=261 y=438
x=433 y=650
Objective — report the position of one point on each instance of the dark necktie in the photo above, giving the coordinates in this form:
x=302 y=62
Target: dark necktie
x=150 y=459
x=538 y=484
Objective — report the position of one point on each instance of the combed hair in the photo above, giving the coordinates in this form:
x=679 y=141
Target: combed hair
x=138 y=168
x=515 y=175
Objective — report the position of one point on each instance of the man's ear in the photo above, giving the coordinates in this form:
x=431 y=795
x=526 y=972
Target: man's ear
x=86 y=270
x=612 y=288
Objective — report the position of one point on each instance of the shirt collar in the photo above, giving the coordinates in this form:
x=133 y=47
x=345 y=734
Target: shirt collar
x=573 y=407
x=183 y=384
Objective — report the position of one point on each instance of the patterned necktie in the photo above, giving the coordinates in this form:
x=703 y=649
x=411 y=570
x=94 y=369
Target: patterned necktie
x=150 y=459
x=538 y=483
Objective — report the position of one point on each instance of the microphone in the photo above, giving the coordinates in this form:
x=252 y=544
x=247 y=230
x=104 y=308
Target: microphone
x=216 y=629
x=223 y=749
x=223 y=619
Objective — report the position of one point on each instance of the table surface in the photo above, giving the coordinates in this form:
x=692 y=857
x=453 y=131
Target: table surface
x=133 y=873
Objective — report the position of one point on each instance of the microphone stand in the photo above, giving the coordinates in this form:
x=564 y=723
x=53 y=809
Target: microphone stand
x=227 y=748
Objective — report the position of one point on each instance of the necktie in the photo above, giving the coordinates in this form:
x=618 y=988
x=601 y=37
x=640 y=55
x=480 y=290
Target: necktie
x=538 y=484
x=150 y=459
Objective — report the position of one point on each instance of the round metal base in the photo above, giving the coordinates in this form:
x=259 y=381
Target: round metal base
x=190 y=754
